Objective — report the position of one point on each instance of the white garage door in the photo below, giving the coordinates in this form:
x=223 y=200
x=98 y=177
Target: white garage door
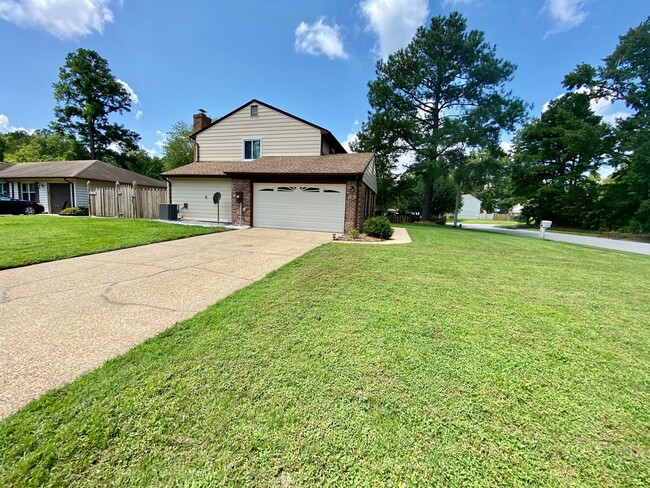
x=197 y=193
x=299 y=206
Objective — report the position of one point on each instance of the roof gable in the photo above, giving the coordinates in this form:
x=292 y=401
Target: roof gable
x=329 y=137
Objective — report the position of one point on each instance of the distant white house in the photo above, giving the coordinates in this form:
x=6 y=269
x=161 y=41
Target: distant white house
x=471 y=207
x=516 y=210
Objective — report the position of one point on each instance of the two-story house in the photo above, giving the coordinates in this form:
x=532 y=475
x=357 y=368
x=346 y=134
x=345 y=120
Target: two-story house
x=273 y=169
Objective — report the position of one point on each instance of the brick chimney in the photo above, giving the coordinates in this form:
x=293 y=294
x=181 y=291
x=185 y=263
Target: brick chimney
x=201 y=120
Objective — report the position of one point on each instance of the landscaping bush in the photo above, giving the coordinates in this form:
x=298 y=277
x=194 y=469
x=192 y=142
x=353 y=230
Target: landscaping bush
x=378 y=227
x=78 y=211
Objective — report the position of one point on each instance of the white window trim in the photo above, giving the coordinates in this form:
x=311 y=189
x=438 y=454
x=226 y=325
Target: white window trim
x=22 y=191
x=243 y=147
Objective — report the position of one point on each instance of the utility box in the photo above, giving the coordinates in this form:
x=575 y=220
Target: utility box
x=168 y=211
x=239 y=197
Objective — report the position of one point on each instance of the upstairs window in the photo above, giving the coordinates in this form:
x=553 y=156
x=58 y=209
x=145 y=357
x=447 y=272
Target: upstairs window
x=29 y=191
x=253 y=110
x=252 y=149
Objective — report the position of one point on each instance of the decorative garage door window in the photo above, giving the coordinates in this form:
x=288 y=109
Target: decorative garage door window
x=308 y=189
x=301 y=206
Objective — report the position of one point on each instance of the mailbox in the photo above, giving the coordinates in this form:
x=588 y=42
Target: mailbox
x=239 y=197
x=545 y=224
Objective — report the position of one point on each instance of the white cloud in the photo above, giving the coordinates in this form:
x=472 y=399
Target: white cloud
x=394 y=21
x=151 y=151
x=320 y=38
x=455 y=3
x=5 y=126
x=155 y=151
x=4 y=123
x=566 y=14
x=65 y=19
x=132 y=95
x=607 y=108
x=163 y=138
x=352 y=135
x=404 y=162
x=507 y=147
x=116 y=147
x=138 y=114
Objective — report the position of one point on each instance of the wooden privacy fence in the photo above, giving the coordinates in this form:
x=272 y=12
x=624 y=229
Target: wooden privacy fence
x=125 y=201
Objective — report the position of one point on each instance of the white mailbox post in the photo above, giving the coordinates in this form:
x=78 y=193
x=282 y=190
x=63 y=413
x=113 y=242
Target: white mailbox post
x=543 y=225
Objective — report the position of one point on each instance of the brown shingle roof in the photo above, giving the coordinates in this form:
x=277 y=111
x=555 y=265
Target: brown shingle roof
x=91 y=169
x=331 y=164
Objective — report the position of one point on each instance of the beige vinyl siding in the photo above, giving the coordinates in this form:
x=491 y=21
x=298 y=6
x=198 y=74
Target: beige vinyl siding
x=370 y=176
x=281 y=135
x=198 y=193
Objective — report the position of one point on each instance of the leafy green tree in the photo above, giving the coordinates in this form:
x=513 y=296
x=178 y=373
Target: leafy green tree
x=556 y=162
x=490 y=180
x=177 y=148
x=625 y=76
x=87 y=94
x=443 y=94
x=141 y=162
x=44 y=145
x=385 y=164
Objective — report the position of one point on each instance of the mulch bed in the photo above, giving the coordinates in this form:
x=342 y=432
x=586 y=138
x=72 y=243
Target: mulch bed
x=361 y=238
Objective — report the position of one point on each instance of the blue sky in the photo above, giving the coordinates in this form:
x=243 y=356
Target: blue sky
x=313 y=59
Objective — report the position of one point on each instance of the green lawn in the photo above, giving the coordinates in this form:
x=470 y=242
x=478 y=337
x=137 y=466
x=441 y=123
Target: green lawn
x=464 y=358
x=480 y=221
x=35 y=239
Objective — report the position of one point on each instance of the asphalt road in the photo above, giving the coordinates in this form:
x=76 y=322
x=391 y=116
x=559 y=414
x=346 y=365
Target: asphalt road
x=614 y=244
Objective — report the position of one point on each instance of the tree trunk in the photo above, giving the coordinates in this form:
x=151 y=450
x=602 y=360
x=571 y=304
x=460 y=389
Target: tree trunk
x=428 y=195
x=91 y=130
x=457 y=204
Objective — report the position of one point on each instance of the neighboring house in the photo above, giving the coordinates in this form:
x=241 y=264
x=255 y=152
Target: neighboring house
x=516 y=210
x=60 y=184
x=471 y=207
x=273 y=170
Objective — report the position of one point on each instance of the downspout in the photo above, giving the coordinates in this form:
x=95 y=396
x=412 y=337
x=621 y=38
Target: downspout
x=73 y=192
x=169 y=190
x=356 y=209
x=197 y=150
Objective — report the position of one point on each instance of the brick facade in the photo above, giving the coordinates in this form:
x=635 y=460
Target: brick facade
x=359 y=205
x=246 y=187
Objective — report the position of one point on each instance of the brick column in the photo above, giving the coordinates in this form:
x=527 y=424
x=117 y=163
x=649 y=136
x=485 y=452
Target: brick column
x=246 y=187
x=351 y=206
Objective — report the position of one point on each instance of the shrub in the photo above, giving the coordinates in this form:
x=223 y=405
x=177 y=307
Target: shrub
x=378 y=227
x=354 y=233
x=78 y=211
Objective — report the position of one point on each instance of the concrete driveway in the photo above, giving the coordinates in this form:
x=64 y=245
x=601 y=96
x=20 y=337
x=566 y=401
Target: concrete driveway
x=604 y=243
x=61 y=319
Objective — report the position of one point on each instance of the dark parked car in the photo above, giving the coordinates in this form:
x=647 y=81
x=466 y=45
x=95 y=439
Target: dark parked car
x=10 y=205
